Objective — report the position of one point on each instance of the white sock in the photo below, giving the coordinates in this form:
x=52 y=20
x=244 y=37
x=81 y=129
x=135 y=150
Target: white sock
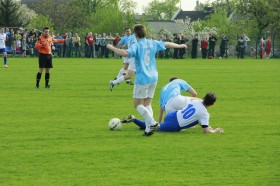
x=150 y=109
x=121 y=72
x=144 y=112
x=118 y=80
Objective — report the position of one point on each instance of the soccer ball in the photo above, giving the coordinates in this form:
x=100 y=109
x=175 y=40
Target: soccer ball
x=115 y=124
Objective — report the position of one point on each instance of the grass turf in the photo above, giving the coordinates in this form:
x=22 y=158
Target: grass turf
x=60 y=136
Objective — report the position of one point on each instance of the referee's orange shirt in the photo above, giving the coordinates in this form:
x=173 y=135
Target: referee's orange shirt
x=46 y=48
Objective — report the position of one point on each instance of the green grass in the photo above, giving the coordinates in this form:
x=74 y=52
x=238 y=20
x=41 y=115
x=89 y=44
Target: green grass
x=60 y=136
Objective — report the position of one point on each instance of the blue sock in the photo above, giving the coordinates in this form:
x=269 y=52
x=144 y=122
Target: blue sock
x=140 y=123
x=5 y=60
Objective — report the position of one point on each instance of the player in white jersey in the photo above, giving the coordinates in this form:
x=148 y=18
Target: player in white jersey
x=191 y=115
x=171 y=99
x=3 y=38
x=144 y=52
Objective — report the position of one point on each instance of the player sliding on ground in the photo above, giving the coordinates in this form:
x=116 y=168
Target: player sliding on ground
x=193 y=114
x=171 y=99
x=144 y=52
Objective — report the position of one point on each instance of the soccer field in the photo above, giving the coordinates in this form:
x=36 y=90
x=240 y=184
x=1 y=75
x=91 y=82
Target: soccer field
x=60 y=136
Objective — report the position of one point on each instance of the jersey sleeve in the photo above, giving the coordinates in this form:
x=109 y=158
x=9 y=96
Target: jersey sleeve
x=159 y=45
x=204 y=120
x=122 y=41
x=132 y=50
x=184 y=85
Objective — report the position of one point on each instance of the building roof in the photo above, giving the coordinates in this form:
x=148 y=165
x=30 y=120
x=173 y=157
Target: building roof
x=193 y=15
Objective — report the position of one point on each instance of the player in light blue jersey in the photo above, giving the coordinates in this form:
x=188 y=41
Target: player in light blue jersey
x=128 y=62
x=144 y=52
x=191 y=115
x=171 y=99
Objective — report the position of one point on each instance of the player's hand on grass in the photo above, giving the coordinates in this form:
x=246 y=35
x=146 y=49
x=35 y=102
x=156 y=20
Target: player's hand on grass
x=219 y=130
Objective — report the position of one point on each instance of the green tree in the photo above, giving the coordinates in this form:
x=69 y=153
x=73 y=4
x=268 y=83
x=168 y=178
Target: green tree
x=12 y=14
x=159 y=10
x=264 y=12
x=39 y=22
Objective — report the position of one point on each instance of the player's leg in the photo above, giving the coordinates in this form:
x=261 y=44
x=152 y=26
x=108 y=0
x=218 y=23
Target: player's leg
x=5 y=59
x=38 y=77
x=47 y=78
x=140 y=123
x=139 y=93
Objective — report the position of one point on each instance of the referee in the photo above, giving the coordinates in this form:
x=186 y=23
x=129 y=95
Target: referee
x=43 y=45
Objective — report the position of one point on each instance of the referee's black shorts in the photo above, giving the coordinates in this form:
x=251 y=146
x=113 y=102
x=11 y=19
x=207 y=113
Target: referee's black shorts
x=45 y=61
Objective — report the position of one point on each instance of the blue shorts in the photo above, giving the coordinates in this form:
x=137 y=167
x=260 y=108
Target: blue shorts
x=2 y=50
x=170 y=123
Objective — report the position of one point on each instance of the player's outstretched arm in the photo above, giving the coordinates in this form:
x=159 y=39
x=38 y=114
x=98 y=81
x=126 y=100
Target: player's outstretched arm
x=120 y=52
x=210 y=130
x=174 y=45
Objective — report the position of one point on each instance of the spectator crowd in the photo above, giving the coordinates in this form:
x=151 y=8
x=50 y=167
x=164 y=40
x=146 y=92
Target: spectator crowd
x=21 y=42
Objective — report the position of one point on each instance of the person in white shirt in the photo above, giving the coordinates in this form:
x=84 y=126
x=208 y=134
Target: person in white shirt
x=191 y=115
x=3 y=38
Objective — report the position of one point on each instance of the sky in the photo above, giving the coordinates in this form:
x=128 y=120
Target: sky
x=185 y=4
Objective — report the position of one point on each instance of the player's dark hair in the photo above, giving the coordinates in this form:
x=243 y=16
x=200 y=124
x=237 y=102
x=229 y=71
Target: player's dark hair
x=126 y=28
x=173 y=78
x=209 y=98
x=45 y=28
x=140 y=31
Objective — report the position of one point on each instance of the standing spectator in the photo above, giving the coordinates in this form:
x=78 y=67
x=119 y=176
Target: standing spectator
x=108 y=40
x=18 y=40
x=194 y=46
x=240 y=48
x=103 y=45
x=45 y=56
x=69 y=45
x=268 y=47
x=144 y=52
x=182 y=51
x=262 y=47
x=176 y=40
x=24 y=46
x=77 y=45
x=64 y=44
x=212 y=44
x=116 y=41
x=58 y=46
x=223 y=46
x=3 y=38
x=98 y=45
x=31 y=43
x=246 y=39
x=32 y=33
x=90 y=45
x=13 y=43
x=204 y=45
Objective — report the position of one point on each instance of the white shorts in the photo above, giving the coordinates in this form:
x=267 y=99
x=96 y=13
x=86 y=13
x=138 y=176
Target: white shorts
x=127 y=59
x=177 y=103
x=132 y=66
x=144 y=91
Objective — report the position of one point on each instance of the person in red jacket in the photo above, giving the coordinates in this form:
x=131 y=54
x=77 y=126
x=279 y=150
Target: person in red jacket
x=43 y=45
x=268 y=47
x=204 y=45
